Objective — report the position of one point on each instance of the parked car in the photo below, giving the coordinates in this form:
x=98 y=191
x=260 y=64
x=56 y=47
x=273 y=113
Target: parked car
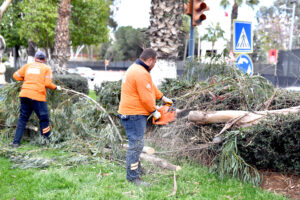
x=86 y=72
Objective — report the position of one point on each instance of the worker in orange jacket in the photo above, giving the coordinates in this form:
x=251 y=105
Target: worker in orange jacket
x=36 y=78
x=138 y=98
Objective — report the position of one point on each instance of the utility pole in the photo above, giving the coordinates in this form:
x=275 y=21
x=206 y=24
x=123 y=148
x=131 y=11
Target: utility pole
x=191 y=42
x=292 y=24
x=199 y=43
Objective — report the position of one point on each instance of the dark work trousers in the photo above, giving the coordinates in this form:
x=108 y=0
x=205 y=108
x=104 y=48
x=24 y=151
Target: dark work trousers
x=135 y=126
x=41 y=110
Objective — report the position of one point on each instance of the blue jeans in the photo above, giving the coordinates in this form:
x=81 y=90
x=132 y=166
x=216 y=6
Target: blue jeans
x=135 y=126
x=41 y=110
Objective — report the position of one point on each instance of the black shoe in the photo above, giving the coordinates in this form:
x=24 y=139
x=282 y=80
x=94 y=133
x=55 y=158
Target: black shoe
x=14 y=145
x=139 y=182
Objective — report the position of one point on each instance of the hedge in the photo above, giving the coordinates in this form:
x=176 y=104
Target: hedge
x=72 y=81
x=273 y=144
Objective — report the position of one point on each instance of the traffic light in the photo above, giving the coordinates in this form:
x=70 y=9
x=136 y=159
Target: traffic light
x=198 y=9
x=188 y=7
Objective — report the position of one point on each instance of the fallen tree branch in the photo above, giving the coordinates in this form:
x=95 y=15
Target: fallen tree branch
x=229 y=124
x=269 y=101
x=99 y=107
x=245 y=118
x=200 y=147
x=159 y=162
x=175 y=186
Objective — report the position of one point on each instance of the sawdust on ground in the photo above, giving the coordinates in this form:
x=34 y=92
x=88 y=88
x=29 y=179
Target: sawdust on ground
x=288 y=185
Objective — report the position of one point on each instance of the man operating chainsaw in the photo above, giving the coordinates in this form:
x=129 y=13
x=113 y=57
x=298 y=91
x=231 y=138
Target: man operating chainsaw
x=138 y=97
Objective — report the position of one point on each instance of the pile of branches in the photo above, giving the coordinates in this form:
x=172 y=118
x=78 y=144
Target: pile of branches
x=78 y=124
x=243 y=150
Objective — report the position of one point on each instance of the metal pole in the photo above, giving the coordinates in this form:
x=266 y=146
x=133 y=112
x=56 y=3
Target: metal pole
x=199 y=42
x=191 y=43
x=292 y=25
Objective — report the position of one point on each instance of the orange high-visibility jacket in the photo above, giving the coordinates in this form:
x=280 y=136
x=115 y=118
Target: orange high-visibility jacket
x=37 y=77
x=138 y=93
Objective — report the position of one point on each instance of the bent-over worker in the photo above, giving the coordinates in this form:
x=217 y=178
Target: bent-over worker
x=36 y=78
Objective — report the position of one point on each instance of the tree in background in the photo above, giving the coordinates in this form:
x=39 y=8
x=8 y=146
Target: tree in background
x=35 y=21
x=3 y=8
x=9 y=29
x=214 y=32
x=273 y=27
x=87 y=28
x=128 y=45
x=234 y=12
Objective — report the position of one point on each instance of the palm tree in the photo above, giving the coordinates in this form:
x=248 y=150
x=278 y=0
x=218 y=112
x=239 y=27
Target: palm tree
x=214 y=32
x=165 y=32
x=234 y=11
x=61 y=49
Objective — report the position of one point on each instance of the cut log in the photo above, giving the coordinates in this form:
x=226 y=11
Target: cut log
x=147 y=150
x=160 y=162
x=246 y=118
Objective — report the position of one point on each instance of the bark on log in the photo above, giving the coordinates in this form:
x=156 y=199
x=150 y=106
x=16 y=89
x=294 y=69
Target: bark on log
x=160 y=162
x=246 y=118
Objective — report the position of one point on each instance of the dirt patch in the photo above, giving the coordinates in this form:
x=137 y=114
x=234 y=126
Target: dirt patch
x=288 y=185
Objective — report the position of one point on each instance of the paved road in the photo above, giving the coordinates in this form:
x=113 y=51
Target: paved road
x=105 y=76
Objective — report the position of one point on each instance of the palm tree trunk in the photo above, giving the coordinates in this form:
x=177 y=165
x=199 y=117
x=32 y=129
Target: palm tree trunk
x=164 y=32
x=61 y=51
x=234 y=14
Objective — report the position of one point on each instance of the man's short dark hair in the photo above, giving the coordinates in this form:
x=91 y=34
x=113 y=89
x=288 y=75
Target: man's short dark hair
x=148 y=53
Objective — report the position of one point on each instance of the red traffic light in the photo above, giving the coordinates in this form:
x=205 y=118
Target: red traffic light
x=188 y=7
x=198 y=9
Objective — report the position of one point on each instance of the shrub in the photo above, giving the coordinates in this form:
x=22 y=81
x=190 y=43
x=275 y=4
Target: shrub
x=110 y=95
x=272 y=144
x=9 y=74
x=72 y=81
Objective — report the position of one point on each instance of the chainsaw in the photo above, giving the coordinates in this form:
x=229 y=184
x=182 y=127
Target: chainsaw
x=168 y=114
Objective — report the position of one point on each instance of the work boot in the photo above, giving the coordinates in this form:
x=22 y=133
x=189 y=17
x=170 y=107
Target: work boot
x=140 y=182
x=14 y=145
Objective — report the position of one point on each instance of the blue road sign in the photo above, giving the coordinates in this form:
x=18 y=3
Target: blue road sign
x=242 y=37
x=244 y=63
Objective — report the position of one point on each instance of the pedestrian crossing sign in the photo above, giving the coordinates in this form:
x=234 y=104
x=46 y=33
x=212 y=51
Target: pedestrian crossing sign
x=242 y=37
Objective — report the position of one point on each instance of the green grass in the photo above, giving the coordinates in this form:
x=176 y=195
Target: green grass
x=82 y=182
x=92 y=94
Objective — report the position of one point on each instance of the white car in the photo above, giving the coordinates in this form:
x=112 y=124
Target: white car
x=86 y=72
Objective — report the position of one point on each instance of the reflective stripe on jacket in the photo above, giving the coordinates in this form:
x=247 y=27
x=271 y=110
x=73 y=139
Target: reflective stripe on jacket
x=37 y=77
x=138 y=93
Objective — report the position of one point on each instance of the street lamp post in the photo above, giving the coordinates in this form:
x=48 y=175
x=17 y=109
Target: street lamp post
x=292 y=24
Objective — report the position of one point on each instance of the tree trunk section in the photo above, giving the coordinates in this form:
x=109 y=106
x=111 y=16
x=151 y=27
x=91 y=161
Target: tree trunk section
x=245 y=118
x=61 y=51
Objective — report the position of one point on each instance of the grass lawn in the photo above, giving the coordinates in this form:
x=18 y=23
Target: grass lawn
x=83 y=182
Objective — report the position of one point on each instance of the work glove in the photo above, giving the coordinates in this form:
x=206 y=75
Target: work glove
x=167 y=101
x=156 y=115
x=58 y=88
